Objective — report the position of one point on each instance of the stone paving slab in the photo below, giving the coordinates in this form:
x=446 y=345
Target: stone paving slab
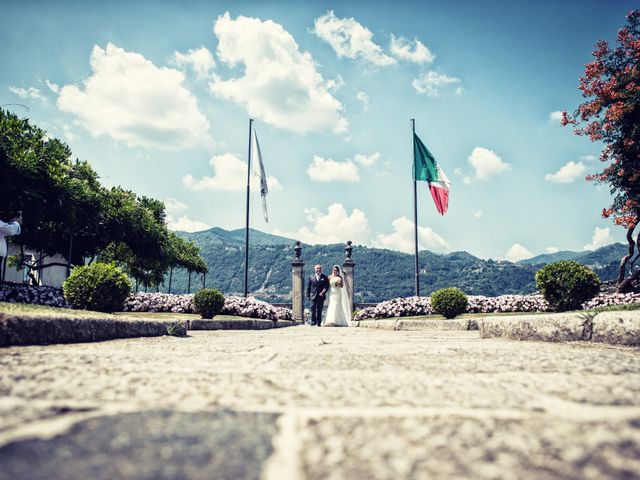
x=618 y=327
x=248 y=324
x=346 y=403
x=621 y=328
x=33 y=329
x=157 y=444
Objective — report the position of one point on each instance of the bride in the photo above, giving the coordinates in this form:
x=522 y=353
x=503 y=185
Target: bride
x=339 y=310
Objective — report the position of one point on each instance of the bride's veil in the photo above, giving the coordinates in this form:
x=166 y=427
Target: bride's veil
x=345 y=299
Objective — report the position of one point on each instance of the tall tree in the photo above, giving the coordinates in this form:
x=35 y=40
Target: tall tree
x=611 y=115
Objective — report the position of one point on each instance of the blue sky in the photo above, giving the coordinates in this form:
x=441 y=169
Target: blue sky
x=157 y=96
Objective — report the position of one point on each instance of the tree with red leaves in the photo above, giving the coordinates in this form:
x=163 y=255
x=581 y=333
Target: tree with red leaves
x=611 y=115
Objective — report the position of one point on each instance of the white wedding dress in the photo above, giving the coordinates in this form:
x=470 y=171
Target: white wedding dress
x=339 y=310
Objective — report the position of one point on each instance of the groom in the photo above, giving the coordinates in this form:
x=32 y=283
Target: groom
x=317 y=288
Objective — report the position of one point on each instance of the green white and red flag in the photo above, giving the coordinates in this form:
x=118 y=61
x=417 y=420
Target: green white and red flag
x=426 y=168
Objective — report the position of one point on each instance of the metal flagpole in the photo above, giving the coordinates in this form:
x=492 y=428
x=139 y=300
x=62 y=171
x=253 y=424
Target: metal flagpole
x=415 y=206
x=246 y=233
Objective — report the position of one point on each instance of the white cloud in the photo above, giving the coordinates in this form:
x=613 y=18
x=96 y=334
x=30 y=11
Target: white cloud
x=229 y=175
x=601 y=237
x=459 y=91
x=131 y=100
x=415 y=51
x=517 y=252
x=430 y=83
x=485 y=163
x=328 y=170
x=173 y=206
x=280 y=84
x=25 y=93
x=367 y=160
x=54 y=87
x=185 y=224
x=555 y=116
x=336 y=226
x=477 y=214
x=350 y=39
x=200 y=60
x=364 y=99
x=70 y=132
x=588 y=158
x=553 y=249
x=402 y=238
x=567 y=173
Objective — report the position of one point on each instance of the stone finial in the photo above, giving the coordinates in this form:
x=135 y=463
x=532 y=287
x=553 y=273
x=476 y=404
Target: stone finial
x=298 y=250
x=348 y=250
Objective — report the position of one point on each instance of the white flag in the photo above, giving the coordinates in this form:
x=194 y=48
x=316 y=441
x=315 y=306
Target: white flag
x=259 y=171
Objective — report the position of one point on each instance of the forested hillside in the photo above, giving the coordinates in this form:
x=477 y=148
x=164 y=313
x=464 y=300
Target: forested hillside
x=380 y=274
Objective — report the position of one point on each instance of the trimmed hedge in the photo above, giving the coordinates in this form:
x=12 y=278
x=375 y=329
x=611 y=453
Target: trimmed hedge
x=102 y=287
x=208 y=302
x=567 y=284
x=449 y=302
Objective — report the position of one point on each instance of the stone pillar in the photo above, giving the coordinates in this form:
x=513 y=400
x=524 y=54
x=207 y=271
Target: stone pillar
x=297 y=284
x=349 y=267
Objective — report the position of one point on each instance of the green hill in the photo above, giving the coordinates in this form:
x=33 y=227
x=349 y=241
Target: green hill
x=380 y=274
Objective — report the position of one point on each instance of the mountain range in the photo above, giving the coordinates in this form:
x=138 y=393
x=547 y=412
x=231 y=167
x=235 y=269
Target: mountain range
x=380 y=274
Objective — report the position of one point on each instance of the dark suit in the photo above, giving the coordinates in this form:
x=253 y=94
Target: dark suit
x=314 y=290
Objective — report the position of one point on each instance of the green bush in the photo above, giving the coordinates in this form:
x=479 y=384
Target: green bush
x=449 y=302
x=567 y=284
x=208 y=302
x=99 y=286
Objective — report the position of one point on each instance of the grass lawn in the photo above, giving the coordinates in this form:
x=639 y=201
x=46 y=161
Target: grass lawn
x=21 y=308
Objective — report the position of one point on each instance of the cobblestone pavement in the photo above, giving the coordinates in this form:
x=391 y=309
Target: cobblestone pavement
x=306 y=402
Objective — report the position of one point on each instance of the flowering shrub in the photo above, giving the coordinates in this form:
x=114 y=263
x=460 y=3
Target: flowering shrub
x=239 y=306
x=611 y=299
x=35 y=295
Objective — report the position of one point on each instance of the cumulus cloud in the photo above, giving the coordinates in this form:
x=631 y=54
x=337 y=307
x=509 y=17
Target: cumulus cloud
x=415 y=51
x=173 y=206
x=328 y=170
x=601 y=237
x=229 y=175
x=518 y=252
x=26 y=93
x=185 y=224
x=334 y=226
x=567 y=173
x=588 y=158
x=553 y=249
x=131 y=100
x=555 y=116
x=367 y=160
x=402 y=238
x=485 y=163
x=431 y=82
x=350 y=39
x=280 y=85
x=200 y=60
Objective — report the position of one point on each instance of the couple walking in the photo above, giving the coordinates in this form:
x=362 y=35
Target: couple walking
x=339 y=310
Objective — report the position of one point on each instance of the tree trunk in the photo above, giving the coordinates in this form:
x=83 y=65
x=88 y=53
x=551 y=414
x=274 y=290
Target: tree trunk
x=170 y=277
x=189 y=284
x=627 y=283
x=625 y=259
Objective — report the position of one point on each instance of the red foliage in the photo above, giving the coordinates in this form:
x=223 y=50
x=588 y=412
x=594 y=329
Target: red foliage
x=611 y=115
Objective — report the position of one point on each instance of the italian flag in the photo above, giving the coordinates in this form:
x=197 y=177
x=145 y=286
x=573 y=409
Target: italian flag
x=426 y=168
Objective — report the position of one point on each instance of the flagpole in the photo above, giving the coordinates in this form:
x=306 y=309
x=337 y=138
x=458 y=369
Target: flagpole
x=415 y=206
x=246 y=232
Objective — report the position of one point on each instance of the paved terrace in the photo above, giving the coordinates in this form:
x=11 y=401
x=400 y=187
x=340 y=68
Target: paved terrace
x=306 y=402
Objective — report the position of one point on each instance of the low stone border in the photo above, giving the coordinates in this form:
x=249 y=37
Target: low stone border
x=619 y=327
x=31 y=329
x=248 y=324
x=407 y=325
